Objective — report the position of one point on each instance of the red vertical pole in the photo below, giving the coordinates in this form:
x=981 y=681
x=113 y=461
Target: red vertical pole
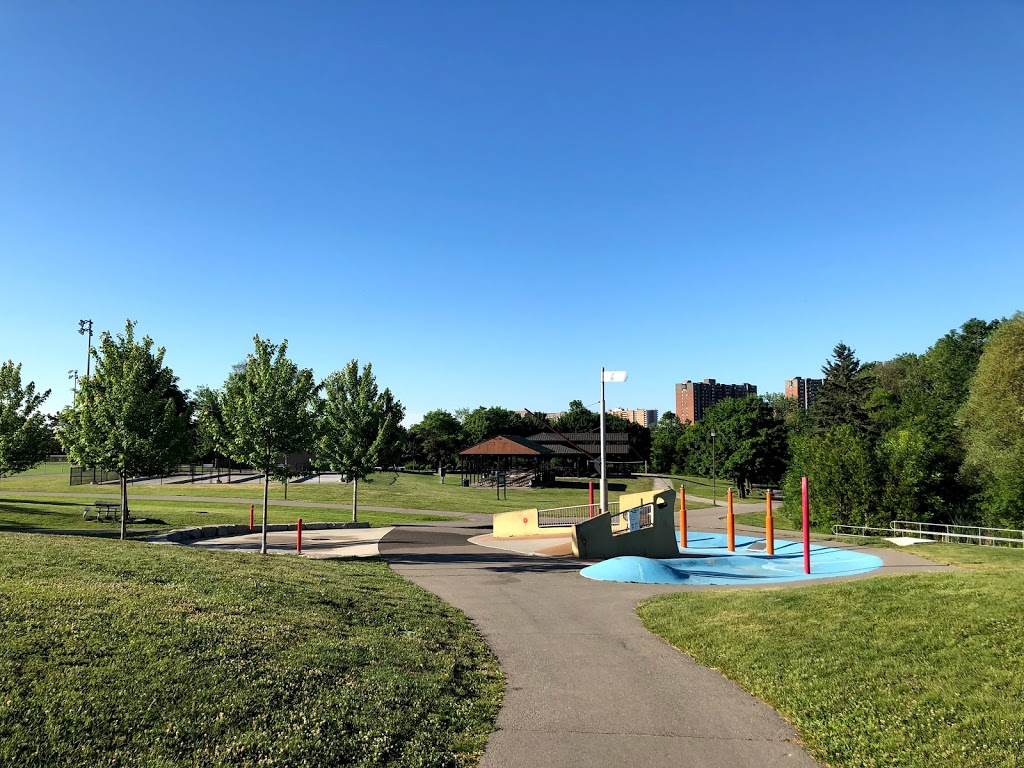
x=730 y=525
x=298 y=537
x=769 y=525
x=807 y=526
x=252 y=509
x=591 y=498
x=682 y=517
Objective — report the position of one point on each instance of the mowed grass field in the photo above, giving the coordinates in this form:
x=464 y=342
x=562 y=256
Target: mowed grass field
x=916 y=670
x=405 y=491
x=131 y=654
x=149 y=516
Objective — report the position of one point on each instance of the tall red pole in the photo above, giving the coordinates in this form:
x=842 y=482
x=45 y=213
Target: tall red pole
x=252 y=508
x=807 y=526
x=591 y=498
x=730 y=524
x=682 y=517
x=298 y=537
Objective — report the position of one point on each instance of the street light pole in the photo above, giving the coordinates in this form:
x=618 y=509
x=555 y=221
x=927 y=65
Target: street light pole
x=84 y=327
x=606 y=376
x=73 y=375
x=714 y=477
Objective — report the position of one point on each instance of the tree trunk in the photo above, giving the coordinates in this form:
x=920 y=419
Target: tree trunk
x=124 y=507
x=266 y=495
x=355 y=499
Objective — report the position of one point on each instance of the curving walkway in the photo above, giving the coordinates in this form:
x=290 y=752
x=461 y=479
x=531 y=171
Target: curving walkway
x=586 y=684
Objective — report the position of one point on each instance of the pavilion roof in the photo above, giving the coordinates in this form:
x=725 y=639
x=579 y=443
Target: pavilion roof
x=507 y=445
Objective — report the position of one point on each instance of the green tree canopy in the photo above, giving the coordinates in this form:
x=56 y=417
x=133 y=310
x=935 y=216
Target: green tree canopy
x=993 y=423
x=578 y=418
x=484 y=423
x=663 y=443
x=129 y=416
x=359 y=426
x=750 y=442
x=24 y=431
x=267 y=410
x=439 y=437
x=840 y=467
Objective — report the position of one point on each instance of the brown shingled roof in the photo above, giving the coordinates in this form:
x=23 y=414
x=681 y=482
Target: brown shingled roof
x=507 y=445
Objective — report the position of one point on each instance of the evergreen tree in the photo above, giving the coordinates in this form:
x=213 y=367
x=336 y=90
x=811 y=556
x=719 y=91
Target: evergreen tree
x=843 y=397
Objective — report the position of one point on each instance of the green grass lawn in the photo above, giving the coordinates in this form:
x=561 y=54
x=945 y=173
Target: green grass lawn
x=916 y=670
x=128 y=654
x=407 y=491
x=148 y=516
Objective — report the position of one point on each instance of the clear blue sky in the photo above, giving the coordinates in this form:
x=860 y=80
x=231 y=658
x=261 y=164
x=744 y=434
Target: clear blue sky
x=490 y=201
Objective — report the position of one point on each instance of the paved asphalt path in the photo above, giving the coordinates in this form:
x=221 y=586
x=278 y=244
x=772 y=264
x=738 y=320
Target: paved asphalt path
x=587 y=685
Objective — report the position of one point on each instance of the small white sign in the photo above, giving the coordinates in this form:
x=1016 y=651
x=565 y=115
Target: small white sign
x=613 y=376
x=633 y=519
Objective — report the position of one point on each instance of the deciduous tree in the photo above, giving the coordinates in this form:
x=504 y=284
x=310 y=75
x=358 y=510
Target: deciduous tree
x=24 y=433
x=993 y=422
x=268 y=410
x=129 y=416
x=360 y=427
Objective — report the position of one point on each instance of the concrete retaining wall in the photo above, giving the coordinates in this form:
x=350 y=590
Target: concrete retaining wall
x=185 y=535
x=596 y=539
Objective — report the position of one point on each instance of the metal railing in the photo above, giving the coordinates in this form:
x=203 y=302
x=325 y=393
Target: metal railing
x=645 y=519
x=950 y=532
x=969 y=534
x=571 y=515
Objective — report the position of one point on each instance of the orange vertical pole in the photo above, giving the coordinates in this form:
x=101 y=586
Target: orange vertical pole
x=298 y=537
x=591 y=498
x=682 y=517
x=730 y=524
x=252 y=509
x=769 y=525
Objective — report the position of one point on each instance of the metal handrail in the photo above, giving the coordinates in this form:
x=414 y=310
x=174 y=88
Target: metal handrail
x=939 y=531
x=572 y=515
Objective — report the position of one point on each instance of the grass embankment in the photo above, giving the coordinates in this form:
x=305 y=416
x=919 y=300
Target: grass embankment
x=149 y=516
x=918 y=670
x=126 y=654
x=405 y=491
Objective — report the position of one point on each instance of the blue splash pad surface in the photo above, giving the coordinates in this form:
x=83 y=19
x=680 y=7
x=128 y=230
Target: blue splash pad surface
x=719 y=566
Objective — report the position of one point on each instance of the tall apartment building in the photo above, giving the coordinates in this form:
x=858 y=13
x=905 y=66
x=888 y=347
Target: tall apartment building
x=645 y=417
x=804 y=391
x=695 y=397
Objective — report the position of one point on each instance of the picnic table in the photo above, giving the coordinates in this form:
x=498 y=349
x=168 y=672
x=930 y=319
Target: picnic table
x=104 y=510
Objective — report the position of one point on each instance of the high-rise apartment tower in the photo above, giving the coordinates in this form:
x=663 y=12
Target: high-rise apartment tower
x=695 y=397
x=804 y=391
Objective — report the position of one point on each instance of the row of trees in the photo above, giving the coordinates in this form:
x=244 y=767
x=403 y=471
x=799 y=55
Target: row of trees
x=935 y=437
x=932 y=437
x=439 y=437
x=131 y=418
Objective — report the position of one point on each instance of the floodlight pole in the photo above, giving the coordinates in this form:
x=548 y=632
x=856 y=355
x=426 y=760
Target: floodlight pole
x=85 y=326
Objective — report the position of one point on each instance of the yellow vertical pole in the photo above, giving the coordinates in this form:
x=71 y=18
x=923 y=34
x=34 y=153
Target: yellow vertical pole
x=682 y=517
x=730 y=524
x=769 y=525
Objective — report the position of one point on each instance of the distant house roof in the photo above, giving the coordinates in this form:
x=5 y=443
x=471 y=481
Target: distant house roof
x=507 y=445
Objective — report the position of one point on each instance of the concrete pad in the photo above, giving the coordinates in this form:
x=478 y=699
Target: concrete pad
x=316 y=544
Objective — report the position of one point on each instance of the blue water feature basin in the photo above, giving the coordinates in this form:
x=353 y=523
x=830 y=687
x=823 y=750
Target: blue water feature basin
x=707 y=561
